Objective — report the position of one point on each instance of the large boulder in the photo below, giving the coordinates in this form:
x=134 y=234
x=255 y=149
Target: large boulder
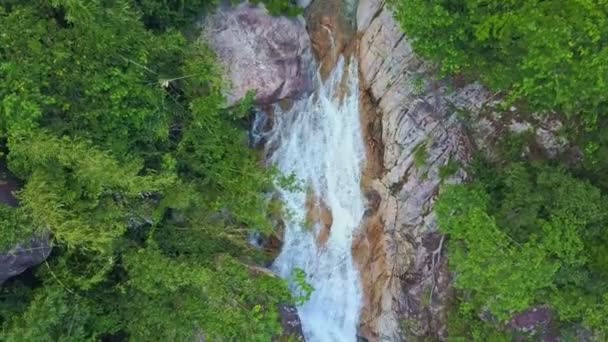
x=267 y=54
x=23 y=256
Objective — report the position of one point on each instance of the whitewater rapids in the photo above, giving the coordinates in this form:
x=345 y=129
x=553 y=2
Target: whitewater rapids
x=319 y=140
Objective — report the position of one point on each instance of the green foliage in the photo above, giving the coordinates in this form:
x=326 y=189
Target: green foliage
x=53 y=315
x=524 y=236
x=164 y=14
x=169 y=294
x=280 y=7
x=464 y=325
x=551 y=53
x=546 y=55
x=421 y=154
x=419 y=85
x=449 y=169
x=303 y=287
x=72 y=188
x=15 y=226
x=117 y=126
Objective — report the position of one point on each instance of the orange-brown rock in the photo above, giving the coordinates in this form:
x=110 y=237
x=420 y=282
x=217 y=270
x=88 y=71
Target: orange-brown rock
x=330 y=32
x=399 y=250
x=317 y=212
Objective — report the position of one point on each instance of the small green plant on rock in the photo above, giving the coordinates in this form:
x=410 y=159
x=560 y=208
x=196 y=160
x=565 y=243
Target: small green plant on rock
x=304 y=288
x=420 y=155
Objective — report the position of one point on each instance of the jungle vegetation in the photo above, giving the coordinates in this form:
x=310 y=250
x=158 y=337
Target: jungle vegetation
x=115 y=123
x=526 y=231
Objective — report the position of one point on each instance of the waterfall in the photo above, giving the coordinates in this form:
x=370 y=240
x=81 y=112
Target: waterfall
x=319 y=140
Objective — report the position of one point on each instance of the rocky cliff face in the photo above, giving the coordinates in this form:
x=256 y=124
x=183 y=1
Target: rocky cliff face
x=415 y=144
x=422 y=145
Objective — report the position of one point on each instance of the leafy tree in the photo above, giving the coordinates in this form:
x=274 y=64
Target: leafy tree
x=132 y=162
x=546 y=55
x=15 y=227
x=528 y=235
x=552 y=53
x=53 y=315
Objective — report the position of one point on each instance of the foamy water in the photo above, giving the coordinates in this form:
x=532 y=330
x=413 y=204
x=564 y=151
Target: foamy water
x=320 y=141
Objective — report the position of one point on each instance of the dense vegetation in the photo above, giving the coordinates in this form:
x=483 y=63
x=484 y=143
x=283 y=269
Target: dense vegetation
x=552 y=55
x=117 y=127
x=526 y=231
x=527 y=235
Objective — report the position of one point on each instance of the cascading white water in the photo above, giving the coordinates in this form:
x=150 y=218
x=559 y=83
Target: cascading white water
x=319 y=140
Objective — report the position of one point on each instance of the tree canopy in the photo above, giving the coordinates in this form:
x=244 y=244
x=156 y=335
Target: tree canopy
x=529 y=235
x=525 y=232
x=130 y=159
x=547 y=56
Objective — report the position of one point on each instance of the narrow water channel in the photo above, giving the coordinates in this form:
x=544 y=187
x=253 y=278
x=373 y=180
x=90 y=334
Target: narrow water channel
x=320 y=141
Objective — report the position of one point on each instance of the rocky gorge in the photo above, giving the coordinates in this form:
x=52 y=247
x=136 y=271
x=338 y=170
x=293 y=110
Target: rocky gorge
x=364 y=231
x=414 y=137
x=405 y=113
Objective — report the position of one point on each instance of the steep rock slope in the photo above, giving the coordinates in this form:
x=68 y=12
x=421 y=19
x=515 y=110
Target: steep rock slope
x=400 y=252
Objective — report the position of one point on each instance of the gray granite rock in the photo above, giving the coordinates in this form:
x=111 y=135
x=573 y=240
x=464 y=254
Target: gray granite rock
x=23 y=256
x=267 y=54
x=406 y=280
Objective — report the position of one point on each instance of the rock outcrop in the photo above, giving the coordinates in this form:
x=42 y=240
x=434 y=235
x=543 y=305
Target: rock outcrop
x=400 y=251
x=331 y=29
x=542 y=132
x=423 y=145
x=23 y=256
x=259 y=52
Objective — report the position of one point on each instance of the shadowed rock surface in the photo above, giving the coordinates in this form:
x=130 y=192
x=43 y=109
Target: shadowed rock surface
x=23 y=256
x=292 y=326
x=259 y=52
x=539 y=321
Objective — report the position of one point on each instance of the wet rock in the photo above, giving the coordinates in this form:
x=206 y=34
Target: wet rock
x=318 y=215
x=23 y=256
x=292 y=326
x=330 y=32
x=267 y=54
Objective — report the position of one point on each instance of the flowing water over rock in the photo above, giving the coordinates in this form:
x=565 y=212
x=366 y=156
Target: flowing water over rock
x=319 y=140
